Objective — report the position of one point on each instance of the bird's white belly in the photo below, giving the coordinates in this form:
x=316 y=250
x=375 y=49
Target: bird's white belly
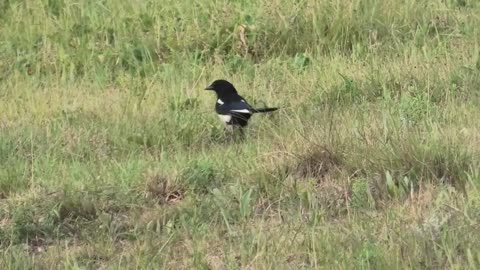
x=225 y=118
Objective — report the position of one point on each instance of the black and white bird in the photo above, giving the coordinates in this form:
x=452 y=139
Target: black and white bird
x=232 y=108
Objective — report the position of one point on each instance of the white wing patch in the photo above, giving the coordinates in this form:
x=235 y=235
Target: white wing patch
x=219 y=101
x=242 y=111
x=242 y=101
x=225 y=118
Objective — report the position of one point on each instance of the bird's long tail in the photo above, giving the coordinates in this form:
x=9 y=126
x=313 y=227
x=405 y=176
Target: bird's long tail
x=264 y=110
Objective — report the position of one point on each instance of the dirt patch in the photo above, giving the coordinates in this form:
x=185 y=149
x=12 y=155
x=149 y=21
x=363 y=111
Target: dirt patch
x=163 y=189
x=317 y=163
x=333 y=198
x=37 y=245
x=75 y=209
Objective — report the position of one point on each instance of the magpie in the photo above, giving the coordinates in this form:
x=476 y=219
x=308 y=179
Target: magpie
x=232 y=108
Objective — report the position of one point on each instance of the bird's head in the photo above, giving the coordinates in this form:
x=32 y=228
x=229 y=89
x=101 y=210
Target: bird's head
x=222 y=88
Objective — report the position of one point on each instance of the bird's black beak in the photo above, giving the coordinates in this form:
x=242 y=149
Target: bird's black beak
x=210 y=87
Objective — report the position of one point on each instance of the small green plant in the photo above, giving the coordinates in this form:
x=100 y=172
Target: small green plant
x=368 y=256
x=414 y=108
x=301 y=61
x=396 y=189
x=361 y=197
x=200 y=176
x=348 y=92
x=245 y=199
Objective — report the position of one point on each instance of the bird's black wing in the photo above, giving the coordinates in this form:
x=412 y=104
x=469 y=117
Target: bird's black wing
x=235 y=107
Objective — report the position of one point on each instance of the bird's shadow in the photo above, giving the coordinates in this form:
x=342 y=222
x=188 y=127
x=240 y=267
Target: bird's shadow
x=228 y=135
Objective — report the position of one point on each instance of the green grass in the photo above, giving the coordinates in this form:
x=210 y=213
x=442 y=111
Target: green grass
x=111 y=155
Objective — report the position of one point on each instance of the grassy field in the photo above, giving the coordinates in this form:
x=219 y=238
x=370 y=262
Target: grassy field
x=111 y=155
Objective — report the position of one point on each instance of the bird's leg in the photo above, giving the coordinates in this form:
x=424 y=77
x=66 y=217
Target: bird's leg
x=229 y=128
x=229 y=132
x=238 y=133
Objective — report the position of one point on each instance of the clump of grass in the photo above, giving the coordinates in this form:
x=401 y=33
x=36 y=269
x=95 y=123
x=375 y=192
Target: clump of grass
x=33 y=224
x=417 y=163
